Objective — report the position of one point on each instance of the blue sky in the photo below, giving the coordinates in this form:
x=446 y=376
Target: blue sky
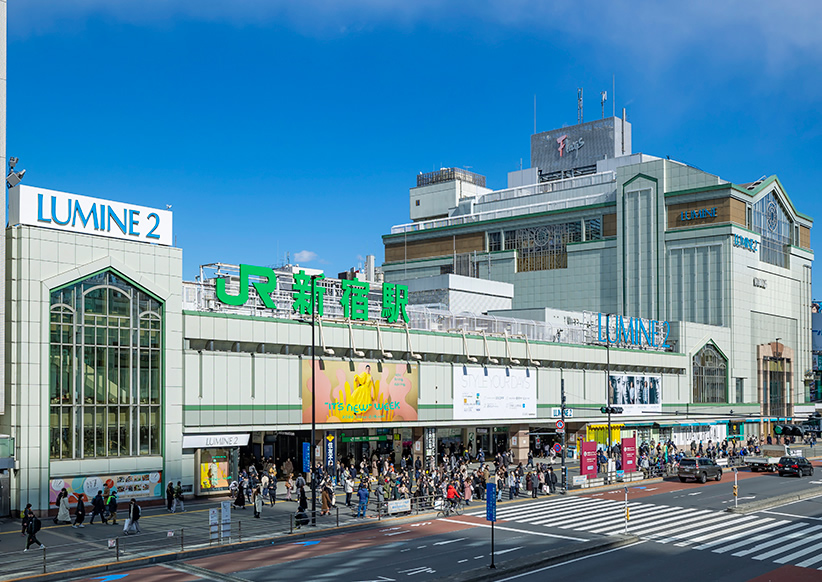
x=276 y=127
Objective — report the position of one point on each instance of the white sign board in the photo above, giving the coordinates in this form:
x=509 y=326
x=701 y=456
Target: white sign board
x=214 y=441
x=399 y=506
x=85 y=215
x=636 y=393
x=580 y=479
x=494 y=393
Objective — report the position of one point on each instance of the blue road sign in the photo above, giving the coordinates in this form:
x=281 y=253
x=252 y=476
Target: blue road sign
x=558 y=447
x=306 y=457
x=491 y=502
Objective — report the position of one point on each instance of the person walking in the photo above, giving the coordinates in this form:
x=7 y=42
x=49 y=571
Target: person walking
x=111 y=505
x=362 y=495
x=264 y=486
x=133 y=518
x=32 y=528
x=28 y=515
x=98 y=507
x=326 y=499
x=63 y=515
x=552 y=481
x=79 y=512
x=257 y=500
x=272 y=487
x=289 y=486
x=239 y=501
x=178 y=498
x=302 y=500
x=170 y=497
x=349 y=489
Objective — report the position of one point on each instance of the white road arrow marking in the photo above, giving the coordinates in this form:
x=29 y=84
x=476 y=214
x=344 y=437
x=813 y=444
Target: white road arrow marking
x=419 y=524
x=697 y=493
x=449 y=542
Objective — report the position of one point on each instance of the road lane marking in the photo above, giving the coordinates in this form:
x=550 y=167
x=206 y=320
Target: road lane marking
x=449 y=541
x=508 y=550
x=791 y=515
x=625 y=547
x=522 y=531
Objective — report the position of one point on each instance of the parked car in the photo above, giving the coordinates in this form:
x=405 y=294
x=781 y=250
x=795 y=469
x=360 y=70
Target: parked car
x=794 y=466
x=699 y=469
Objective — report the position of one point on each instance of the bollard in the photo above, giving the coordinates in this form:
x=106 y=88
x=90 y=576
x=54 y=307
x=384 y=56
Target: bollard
x=338 y=515
x=44 y=561
x=117 y=548
x=291 y=523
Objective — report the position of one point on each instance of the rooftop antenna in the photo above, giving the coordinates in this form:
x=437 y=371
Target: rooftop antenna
x=603 y=98
x=535 y=113
x=579 y=105
x=613 y=96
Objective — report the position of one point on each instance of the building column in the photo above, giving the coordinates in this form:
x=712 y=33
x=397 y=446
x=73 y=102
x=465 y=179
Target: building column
x=518 y=441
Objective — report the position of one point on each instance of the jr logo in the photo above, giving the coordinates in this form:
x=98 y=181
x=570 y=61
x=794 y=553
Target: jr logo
x=264 y=289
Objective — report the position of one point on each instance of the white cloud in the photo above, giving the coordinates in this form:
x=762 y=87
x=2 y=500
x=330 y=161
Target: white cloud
x=305 y=256
x=758 y=31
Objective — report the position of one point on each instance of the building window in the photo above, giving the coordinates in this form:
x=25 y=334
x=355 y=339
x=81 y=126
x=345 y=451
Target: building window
x=710 y=376
x=593 y=229
x=494 y=241
x=772 y=223
x=544 y=247
x=105 y=381
x=740 y=390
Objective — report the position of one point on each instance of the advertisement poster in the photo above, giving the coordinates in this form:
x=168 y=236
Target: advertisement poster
x=629 y=454
x=365 y=394
x=588 y=458
x=214 y=472
x=137 y=485
x=494 y=393
x=636 y=394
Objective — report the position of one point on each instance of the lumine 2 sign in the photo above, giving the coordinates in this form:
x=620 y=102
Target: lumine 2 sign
x=85 y=215
x=354 y=299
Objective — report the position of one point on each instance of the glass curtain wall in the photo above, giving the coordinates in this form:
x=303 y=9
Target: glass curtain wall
x=710 y=375
x=105 y=360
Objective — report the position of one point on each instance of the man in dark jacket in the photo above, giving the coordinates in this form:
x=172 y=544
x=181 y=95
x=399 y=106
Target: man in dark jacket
x=133 y=518
x=79 y=512
x=111 y=505
x=31 y=530
x=98 y=506
x=552 y=481
x=169 y=496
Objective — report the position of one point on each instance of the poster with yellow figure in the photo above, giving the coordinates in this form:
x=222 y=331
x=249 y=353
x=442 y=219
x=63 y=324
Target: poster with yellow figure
x=368 y=393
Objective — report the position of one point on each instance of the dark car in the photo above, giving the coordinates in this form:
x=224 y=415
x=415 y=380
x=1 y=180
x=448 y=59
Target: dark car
x=699 y=469
x=794 y=466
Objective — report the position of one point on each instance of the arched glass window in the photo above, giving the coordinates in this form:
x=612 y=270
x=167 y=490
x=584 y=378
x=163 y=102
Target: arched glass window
x=774 y=225
x=105 y=380
x=710 y=376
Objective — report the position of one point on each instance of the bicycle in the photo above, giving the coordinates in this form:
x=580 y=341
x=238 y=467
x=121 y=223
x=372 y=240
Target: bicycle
x=445 y=507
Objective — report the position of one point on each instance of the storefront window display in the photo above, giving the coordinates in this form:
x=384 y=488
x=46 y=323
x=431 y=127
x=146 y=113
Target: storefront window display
x=105 y=362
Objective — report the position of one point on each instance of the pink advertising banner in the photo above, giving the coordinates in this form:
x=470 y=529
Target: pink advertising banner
x=588 y=458
x=629 y=454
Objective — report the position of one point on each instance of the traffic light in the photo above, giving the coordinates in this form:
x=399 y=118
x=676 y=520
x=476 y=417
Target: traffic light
x=611 y=409
x=788 y=430
x=736 y=492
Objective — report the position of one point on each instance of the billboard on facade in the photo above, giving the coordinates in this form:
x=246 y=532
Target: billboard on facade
x=816 y=328
x=136 y=485
x=494 y=393
x=367 y=393
x=636 y=393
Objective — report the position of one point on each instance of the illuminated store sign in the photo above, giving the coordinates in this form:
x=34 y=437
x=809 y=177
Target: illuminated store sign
x=746 y=243
x=697 y=214
x=632 y=331
x=85 y=215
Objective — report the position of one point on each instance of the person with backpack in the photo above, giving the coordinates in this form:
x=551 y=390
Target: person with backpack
x=178 y=498
x=28 y=515
x=132 y=518
x=79 y=512
x=32 y=528
x=98 y=507
x=111 y=506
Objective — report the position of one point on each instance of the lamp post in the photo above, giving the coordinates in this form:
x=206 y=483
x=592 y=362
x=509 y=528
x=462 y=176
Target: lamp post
x=313 y=404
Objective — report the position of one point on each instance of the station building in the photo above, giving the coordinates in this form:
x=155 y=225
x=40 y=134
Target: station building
x=621 y=279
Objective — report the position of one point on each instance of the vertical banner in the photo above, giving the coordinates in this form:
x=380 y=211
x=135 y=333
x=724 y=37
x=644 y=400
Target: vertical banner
x=225 y=520
x=306 y=458
x=430 y=442
x=629 y=454
x=330 y=450
x=588 y=458
x=491 y=502
x=214 y=524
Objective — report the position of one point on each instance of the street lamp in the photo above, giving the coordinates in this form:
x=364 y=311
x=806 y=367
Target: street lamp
x=313 y=404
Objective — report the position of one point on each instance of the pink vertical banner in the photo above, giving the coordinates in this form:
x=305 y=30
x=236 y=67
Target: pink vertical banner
x=588 y=458
x=629 y=454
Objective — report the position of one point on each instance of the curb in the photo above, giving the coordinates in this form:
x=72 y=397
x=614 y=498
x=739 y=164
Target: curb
x=551 y=557
x=754 y=506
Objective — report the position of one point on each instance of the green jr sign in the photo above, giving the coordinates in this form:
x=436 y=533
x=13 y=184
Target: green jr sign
x=354 y=298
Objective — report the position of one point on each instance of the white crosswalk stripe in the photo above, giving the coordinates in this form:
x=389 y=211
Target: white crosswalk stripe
x=756 y=536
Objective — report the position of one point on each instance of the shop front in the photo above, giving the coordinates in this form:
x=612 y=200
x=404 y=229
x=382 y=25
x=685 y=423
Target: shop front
x=216 y=460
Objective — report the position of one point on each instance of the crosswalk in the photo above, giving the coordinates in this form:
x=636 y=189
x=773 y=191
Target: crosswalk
x=758 y=537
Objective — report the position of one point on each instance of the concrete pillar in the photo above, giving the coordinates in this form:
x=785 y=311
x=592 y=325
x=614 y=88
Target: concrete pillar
x=518 y=441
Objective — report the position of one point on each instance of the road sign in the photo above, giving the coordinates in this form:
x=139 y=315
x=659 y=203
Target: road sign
x=557 y=413
x=560 y=425
x=558 y=448
x=491 y=502
x=306 y=457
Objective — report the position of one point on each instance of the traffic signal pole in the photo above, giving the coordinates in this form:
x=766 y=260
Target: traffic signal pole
x=562 y=416
x=608 y=394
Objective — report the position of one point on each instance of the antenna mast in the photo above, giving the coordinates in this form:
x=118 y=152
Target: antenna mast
x=603 y=98
x=579 y=105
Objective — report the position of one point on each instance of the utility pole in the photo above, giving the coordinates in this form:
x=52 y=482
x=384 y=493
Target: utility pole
x=562 y=415
x=608 y=392
x=313 y=403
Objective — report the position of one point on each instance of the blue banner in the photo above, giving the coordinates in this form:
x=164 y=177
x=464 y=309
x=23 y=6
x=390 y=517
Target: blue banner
x=306 y=458
x=491 y=502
